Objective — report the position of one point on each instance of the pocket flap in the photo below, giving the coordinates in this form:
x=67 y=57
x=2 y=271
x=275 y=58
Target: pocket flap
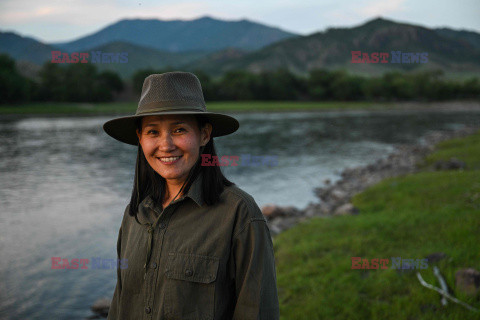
x=192 y=267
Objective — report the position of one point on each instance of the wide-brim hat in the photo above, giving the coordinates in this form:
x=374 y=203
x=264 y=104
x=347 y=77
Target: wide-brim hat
x=170 y=93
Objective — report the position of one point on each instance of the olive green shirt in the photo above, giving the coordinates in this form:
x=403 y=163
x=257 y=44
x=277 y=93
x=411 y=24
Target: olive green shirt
x=202 y=262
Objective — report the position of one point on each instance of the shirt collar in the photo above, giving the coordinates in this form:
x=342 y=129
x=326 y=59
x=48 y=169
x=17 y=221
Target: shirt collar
x=195 y=193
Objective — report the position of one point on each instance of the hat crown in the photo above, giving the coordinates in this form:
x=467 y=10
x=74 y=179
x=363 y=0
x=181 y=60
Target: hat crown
x=178 y=93
x=171 y=90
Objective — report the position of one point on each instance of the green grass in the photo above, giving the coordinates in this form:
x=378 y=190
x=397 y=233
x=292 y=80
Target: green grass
x=409 y=217
x=465 y=149
x=225 y=106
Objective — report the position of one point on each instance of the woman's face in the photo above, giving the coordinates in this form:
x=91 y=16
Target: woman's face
x=171 y=144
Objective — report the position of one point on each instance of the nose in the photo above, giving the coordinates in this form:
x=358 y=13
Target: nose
x=165 y=143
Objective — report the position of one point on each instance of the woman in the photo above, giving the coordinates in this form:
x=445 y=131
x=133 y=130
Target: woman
x=196 y=246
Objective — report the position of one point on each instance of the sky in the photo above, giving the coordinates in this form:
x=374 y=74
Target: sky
x=64 y=20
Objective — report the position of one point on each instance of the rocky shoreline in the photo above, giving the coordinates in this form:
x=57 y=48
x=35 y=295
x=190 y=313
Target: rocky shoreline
x=334 y=199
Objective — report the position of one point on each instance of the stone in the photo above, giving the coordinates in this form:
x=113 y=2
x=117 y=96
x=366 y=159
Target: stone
x=345 y=209
x=468 y=281
x=337 y=194
x=274 y=229
x=101 y=306
x=435 y=257
x=271 y=211
x=283 y=223
x=451 y=164
x=317 y=209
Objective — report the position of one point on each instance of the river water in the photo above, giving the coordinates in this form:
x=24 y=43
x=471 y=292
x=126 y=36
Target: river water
x=65 y=185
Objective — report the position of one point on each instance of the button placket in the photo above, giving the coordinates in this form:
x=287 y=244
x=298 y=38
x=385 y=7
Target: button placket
x=150 y=276
x=158 y=233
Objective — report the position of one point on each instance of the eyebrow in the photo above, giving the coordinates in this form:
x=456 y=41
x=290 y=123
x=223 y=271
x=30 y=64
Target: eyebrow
x=154 y=124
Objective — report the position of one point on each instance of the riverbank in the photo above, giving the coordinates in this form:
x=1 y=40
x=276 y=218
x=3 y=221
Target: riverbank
x=125 y=108
x=429 y=210
x=335 y=198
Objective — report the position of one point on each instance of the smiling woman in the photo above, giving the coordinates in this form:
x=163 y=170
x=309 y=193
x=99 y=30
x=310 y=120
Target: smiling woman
x=208 y=254
x=171 y=145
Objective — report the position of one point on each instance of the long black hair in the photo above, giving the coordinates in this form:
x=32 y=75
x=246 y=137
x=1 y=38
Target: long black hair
x=148 y=182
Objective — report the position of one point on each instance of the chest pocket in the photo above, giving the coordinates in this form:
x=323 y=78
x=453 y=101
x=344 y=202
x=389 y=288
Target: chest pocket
x=190 y=287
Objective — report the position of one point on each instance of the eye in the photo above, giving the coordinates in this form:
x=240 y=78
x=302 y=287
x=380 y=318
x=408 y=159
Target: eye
x=152 y=131
x=178 y=130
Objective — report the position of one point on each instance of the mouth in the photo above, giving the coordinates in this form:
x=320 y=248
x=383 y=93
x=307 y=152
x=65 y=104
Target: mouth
x=168 y=160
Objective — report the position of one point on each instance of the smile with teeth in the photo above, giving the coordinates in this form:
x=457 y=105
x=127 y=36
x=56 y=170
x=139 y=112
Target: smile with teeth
x=169 y=159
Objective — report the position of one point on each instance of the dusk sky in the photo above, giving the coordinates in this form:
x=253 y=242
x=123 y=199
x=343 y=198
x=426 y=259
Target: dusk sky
x=60 y=20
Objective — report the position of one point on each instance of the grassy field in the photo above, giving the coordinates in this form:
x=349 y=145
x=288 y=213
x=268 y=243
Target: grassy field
x=410 y=217
x=230 y=106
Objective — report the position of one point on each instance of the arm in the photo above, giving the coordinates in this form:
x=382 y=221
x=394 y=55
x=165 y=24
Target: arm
x=113 y=311
x=255 y=276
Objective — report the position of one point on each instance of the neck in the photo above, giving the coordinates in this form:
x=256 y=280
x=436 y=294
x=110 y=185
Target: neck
x=173 y=188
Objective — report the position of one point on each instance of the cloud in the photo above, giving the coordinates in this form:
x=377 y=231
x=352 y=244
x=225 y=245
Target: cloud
x=382 y=8
x=87 y=16
x=87 y=12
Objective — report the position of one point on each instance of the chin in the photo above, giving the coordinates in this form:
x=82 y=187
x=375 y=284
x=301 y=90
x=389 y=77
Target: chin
x=172 y=175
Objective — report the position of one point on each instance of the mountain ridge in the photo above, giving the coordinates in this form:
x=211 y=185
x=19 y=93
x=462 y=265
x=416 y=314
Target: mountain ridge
x=205 y=33
x=331 y=49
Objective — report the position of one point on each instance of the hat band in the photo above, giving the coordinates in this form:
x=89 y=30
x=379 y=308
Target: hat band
x=170 y=105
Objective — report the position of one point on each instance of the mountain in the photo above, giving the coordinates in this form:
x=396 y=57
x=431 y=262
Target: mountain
x=204 y=34
x=25 y=48
x=455 y=52
x=332 y=50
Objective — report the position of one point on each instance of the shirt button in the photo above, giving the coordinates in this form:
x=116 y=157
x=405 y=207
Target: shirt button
x=188 y=273
x=148 y=310
x=154 y=265
x=162 y=225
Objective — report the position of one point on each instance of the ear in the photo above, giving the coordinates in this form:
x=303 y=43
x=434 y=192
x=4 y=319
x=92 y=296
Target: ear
x=138 y=134
x=206 y=133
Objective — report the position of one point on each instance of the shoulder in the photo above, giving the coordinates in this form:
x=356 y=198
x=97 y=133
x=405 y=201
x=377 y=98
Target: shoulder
x=127 y=218
x=245 y=207
x=125 y=215
x=234 y=195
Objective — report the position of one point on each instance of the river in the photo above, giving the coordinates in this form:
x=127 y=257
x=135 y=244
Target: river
x=65 y=184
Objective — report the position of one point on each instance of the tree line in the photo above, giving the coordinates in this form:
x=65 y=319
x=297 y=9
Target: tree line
x=84 y=83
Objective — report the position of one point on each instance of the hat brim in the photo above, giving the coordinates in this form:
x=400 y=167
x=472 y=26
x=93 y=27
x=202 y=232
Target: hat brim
x=123 y=129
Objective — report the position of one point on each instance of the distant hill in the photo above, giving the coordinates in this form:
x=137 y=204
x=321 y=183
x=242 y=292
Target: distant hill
x=203 y=34
x=24 y=48
x=447 y=49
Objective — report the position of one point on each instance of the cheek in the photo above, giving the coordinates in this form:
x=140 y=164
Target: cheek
x=188 y=144
x=148 y=146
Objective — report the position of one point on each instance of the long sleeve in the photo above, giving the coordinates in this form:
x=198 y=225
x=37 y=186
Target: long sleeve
x=255 y=275
x=113 y=311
